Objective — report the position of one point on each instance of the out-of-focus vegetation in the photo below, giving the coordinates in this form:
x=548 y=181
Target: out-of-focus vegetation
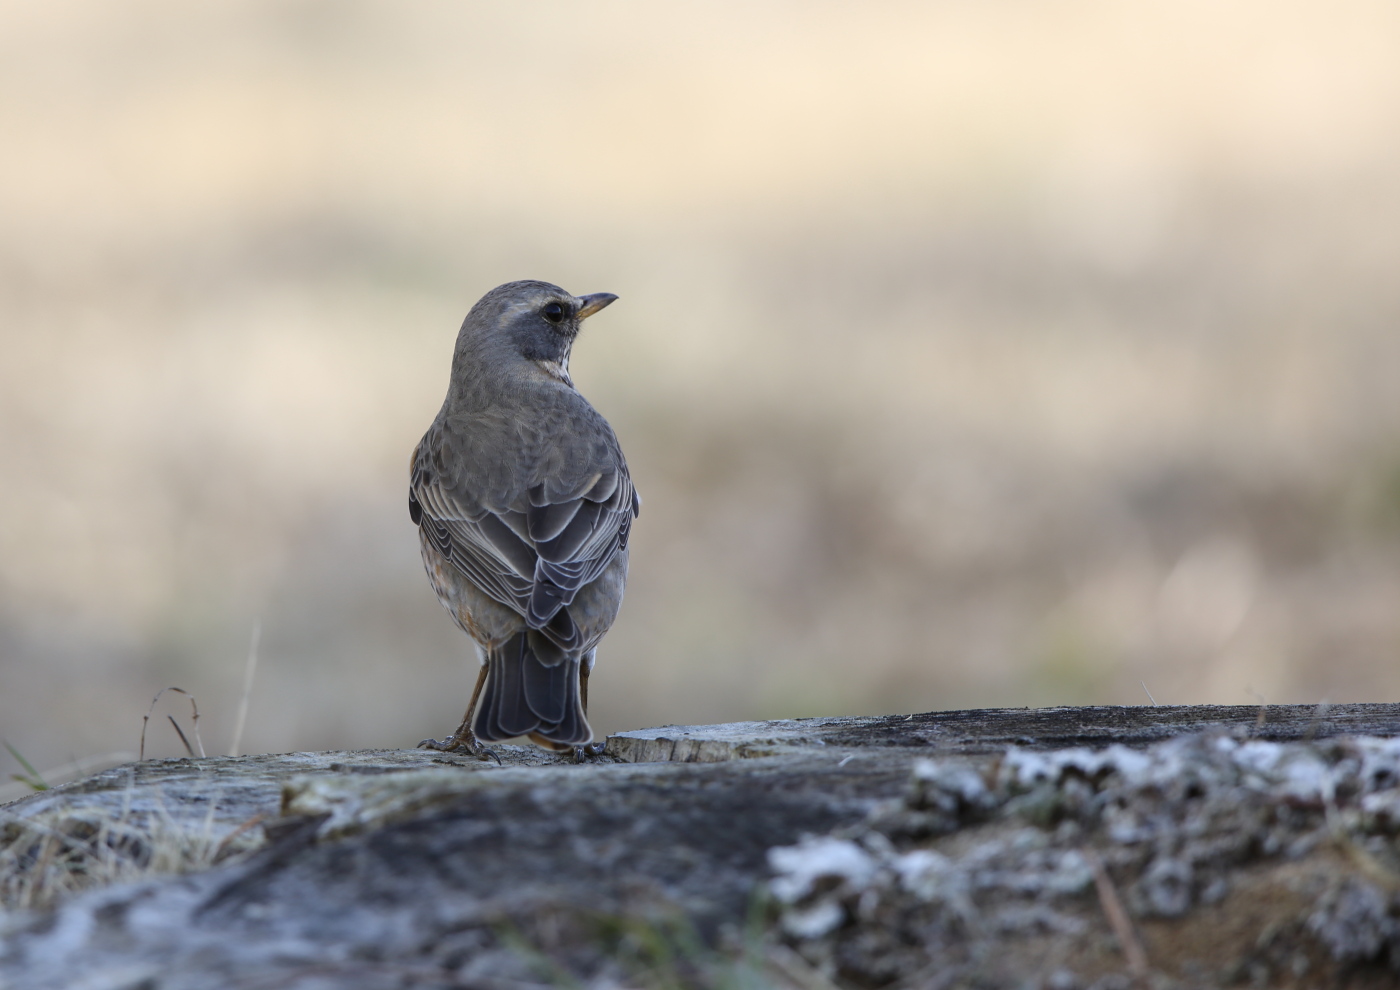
x=967 y=354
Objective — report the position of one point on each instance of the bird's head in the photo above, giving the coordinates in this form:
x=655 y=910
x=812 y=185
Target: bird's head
x=531 y=321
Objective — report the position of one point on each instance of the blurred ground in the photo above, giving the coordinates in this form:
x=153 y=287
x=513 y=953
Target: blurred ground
x=966 y=355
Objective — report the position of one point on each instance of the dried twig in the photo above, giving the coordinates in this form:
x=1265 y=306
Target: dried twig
x=1117 y=916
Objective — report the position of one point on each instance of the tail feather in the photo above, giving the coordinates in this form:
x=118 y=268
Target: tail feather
x=513 y=715
x=523 y=696
x=546 y=688
x=573 y=727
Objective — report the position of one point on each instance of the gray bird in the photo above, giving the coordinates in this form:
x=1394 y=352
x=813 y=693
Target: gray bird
x=523 y=505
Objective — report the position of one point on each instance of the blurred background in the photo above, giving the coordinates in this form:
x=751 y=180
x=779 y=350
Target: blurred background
x=967 y=354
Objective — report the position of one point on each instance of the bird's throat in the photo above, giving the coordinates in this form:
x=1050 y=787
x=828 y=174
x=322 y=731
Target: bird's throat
x=558 y=370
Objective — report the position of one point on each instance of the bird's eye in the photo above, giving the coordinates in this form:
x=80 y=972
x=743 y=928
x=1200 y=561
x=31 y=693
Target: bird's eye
x=554 y=313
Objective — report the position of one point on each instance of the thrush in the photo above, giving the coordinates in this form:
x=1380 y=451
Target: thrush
x=523 y=505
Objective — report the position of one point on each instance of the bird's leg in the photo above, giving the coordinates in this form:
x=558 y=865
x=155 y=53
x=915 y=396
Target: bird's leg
x=582 y=753
x=464 y=738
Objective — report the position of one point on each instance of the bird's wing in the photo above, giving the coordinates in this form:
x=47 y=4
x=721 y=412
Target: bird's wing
x=536 y=560
x=474 y=541
x=576 y=537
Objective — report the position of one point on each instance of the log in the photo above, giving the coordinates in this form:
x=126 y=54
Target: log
x=1193 y=846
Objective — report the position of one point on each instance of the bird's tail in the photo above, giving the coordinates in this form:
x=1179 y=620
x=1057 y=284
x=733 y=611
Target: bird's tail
x=523 y=696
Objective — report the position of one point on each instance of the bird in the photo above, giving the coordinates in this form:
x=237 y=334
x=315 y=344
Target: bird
x=524 y=505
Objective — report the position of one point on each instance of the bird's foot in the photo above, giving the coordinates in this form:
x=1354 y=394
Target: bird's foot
x=458 y=743
x=589 y=753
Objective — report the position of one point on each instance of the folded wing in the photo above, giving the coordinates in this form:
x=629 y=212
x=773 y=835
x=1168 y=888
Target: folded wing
x=534 y=558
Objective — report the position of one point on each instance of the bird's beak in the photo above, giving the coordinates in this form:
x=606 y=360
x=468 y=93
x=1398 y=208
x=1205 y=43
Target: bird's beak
x=591 y=303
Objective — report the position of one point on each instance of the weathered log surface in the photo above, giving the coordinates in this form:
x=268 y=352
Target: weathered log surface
x=983 y=731
x=410 y=868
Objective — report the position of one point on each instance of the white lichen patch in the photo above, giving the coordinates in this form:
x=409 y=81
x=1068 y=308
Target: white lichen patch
x=360 y=802
x=1017 y=844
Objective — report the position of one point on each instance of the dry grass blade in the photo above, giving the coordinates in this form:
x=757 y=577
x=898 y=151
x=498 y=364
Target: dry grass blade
x=249 y=670
x=53 y=776
x=54 y=854
x=181 y=733
x=194 y=719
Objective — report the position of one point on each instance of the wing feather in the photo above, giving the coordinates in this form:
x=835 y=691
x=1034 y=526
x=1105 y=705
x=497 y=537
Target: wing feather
x=533 y=561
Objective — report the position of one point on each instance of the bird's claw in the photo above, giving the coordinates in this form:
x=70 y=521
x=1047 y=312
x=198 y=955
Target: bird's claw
x=454 y=744
x=588 y=753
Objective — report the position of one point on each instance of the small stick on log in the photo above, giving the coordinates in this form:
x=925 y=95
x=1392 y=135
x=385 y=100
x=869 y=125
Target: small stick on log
x=1117 y=916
